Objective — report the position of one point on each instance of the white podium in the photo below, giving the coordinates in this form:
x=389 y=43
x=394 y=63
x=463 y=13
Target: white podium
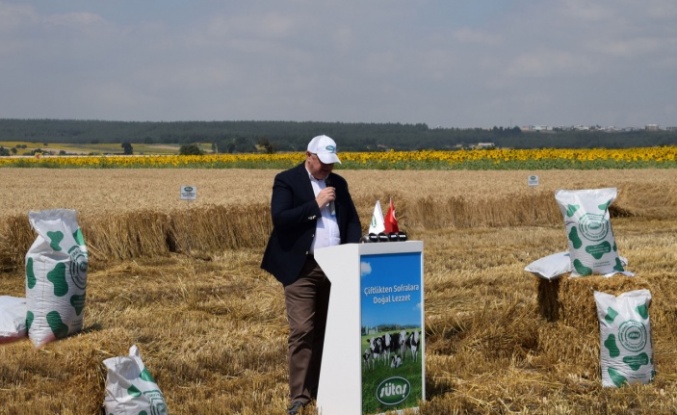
x=373 y=358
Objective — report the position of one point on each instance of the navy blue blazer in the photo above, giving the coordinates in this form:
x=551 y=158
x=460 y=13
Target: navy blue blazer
x=295 y=214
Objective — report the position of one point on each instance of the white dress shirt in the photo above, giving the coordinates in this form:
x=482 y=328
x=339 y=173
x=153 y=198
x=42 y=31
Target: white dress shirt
x=327 y=230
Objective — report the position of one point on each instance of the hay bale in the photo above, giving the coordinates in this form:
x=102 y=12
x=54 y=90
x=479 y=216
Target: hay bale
x=548 y=299
x=16 y=236
x=577 y=303
x=213 y=228
x=128 y=235
x=571 y=342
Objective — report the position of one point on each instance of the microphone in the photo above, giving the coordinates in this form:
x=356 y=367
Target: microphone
x=332 y=206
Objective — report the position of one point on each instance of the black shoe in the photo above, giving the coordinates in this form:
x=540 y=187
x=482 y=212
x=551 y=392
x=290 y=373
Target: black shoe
x=295 y=408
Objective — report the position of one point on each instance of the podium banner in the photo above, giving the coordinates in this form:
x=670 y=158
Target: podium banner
x=392 y=332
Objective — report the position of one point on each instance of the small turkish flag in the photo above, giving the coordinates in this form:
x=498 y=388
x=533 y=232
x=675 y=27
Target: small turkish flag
x=390 y=219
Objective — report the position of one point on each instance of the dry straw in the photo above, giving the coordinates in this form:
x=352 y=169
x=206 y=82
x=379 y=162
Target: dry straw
x=212 y=228
x=211 y=325
x=578 y=307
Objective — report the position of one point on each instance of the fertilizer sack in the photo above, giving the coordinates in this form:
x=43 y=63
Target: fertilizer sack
x=12 y=318
x=550 y=267
x=56 y=276
x=553 y=266
x=626 y=352
x=130 y=388
x=592 y=247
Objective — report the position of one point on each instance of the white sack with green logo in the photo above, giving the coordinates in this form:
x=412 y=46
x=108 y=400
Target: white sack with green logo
x=592 y=247
x=553 y=266
x=626 y=352
x=130 y=388
x=56 y=276
x=12 y=318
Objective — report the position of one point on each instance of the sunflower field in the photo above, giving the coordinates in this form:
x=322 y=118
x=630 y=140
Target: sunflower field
x=476 y=159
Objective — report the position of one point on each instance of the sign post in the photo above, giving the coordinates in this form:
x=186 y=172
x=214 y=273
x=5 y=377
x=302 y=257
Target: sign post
x=188 y=193
x=532 y=181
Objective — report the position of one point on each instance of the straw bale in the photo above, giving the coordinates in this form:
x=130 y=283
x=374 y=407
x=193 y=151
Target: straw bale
x=216 y=227
x=577 y=302
x=128 y=235
x=152 y=221
x=150 y=232
x=548 y=298
x=16 y=236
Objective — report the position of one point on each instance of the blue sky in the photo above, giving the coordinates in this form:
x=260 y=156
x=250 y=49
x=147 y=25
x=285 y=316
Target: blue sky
x=389 y=271
x=441 y=62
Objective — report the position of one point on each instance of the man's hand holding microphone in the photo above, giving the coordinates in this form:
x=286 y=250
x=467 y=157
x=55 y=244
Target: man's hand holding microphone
x=326 y=197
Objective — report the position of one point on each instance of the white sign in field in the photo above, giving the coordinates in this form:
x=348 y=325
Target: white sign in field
x=188 y=192
x=532 y=180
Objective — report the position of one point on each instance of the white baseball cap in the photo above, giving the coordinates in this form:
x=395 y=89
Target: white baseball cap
x=325 y=148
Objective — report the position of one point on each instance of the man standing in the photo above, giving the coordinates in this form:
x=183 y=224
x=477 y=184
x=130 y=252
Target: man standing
x=311 y=208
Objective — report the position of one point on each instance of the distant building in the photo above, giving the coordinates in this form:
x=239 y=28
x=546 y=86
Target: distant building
x=651 y=127
x=537 y=128
x=484 y=145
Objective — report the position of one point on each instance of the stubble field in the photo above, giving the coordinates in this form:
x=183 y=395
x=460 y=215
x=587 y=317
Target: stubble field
x=181 y=281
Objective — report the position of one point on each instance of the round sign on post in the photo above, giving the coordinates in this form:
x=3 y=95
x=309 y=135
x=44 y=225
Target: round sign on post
x=188 y=192
x=532 y=180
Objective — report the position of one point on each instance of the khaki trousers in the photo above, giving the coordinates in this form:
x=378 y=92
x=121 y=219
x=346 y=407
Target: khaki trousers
x=306 y=301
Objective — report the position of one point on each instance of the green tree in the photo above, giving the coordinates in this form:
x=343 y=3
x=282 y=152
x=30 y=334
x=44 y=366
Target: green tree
x=243 y=145
x=127 y=148
x=190 y=150
x=265 y=146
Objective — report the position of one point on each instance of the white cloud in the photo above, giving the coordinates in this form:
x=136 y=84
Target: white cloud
x=548 y=63
x=15 y=16
x=633 y=47
x=662 y=9
x=269 y=25
x=365 y=269
x=74 y=19
x=467 y=35
x=587 y=11
x=431 y=61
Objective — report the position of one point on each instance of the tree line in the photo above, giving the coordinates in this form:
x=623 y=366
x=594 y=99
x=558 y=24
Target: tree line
x=278 y=136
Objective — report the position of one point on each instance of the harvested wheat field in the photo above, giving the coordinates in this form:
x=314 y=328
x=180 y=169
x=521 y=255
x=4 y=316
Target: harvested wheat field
x=182 y=282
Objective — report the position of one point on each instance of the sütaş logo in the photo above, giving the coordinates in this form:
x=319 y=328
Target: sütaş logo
x=393 y=390
x=632 y=335
x=78 y=266
x=330 y=149
x=593 y=227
